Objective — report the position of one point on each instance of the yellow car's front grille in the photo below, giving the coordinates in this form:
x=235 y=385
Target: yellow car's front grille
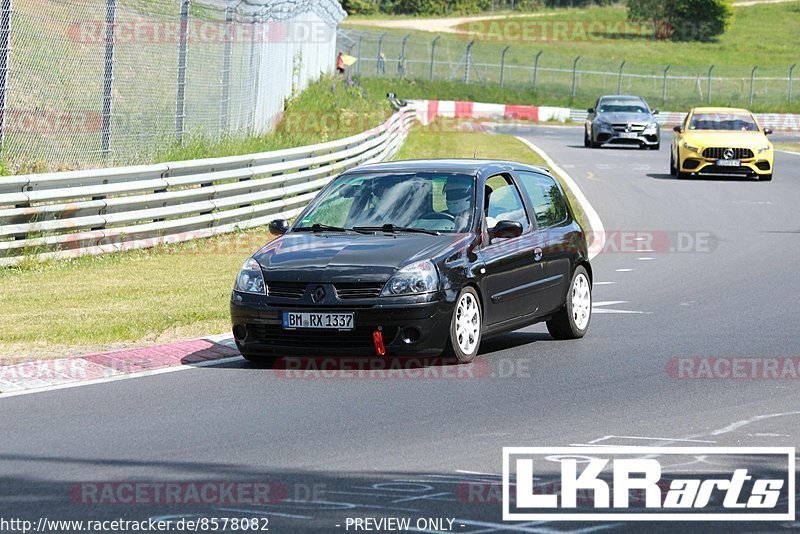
x=720 y=153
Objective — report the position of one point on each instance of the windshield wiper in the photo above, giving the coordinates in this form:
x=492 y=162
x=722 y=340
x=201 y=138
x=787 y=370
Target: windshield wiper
x=393 y=228
x=318 y=227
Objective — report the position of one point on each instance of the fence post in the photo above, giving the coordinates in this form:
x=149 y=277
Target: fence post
x=536 y=69
x=791 y=72
x=708 y=96
x=468 y=60
x=503 y=65
x=108 y=78
x=224 y=121
x=358 y=59
x=5 y=53
x=752 y=81
x=379 y=64
x=575 y=76
x=433 y=52
x=664 y=95
x=401 y=64
x=619 y=81
x=180 y=96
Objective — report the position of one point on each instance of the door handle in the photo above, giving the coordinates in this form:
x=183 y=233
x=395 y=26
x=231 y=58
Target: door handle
x=537 y=254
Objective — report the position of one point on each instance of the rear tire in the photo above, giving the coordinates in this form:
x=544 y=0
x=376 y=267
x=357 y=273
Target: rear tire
x=572 y=320
x=465 y=327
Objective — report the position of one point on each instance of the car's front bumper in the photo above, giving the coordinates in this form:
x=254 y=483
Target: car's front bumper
x=697 y=164
x=612 y=137
x=407 y=328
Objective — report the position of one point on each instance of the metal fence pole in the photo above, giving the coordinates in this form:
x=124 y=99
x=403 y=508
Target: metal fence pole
x=575 y=76
x=791 y=73
x=108 y=78
x=379 y=64
x=5 y=52
x=251 y=110
x=468 y=60
x=226 y=69
x=358 y=59
x=180 y=96
x=664 y=94
x=536 y=69
x=752 y=82
x=433 y=52
x=619 y=81
x=401 y=63
x=708 y=96
x=503 y=65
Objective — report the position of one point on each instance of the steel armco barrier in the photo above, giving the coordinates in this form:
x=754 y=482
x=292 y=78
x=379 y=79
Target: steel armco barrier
x=67 y=214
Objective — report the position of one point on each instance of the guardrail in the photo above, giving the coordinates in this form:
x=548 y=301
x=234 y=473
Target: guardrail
x=68 y=214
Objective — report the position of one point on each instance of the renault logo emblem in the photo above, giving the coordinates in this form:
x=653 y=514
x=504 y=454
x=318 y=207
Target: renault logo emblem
x=318 y=294
x=728 y=154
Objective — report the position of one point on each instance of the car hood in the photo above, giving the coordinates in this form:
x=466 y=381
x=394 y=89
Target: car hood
x=330 y=257
x=625 y=118
x=726 y=139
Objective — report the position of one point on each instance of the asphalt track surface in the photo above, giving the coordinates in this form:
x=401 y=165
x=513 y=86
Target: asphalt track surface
x=405 y=445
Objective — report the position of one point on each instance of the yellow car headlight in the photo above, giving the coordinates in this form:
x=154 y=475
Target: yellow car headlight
x=763 y=149
x=693 y=148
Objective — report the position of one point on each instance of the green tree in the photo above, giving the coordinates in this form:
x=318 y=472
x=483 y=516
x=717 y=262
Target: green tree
x=683 y=20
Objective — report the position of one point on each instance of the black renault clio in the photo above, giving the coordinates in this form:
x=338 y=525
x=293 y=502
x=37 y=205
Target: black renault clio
x=417 y=258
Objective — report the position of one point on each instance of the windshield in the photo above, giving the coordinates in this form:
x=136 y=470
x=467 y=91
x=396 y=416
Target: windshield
x=622 y=106
x=723 y=121
x=439 y=202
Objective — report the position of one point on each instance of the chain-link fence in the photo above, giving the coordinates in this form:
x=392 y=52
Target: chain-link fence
x=568 y=80
x=103 y=82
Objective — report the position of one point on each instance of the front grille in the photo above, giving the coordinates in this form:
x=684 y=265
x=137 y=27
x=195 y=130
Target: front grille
x=713 y=169
x=317 y=340
x=286 y=290
x=719 y=153
x=358 y=290
x=628 y=127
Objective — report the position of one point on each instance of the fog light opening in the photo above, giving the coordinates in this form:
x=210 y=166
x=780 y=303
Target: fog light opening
x=239 y=332
x=410 y=335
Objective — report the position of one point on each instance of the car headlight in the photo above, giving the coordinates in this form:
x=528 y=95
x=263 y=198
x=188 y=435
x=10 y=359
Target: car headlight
x=652 y=127
x=602 y=124
x=250 y=278
x=413 y=279
x=763 y=149
x=693 y=148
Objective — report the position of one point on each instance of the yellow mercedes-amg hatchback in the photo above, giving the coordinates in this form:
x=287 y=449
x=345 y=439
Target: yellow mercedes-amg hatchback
x=721 y=141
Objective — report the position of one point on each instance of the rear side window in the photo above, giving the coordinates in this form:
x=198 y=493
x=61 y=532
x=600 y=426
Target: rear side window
x=503 y=202
x=544 y=196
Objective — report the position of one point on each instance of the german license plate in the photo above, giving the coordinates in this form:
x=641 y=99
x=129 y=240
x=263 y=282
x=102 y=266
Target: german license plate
x=628 y=135
x=319 y=320
x=728 y=163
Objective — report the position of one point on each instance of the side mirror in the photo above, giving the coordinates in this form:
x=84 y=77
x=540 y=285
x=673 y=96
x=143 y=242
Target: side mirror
x=590 y=110
x=655 y=112
x=507 y=229
x=278 y=227
x=767 y=131
x=677 y=129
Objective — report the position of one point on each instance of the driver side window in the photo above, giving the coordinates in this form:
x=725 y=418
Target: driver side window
x=503 y=203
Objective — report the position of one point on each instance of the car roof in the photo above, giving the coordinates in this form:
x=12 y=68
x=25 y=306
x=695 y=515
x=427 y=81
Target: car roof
x=720 y=110
x=622 y=97
x=465 y=166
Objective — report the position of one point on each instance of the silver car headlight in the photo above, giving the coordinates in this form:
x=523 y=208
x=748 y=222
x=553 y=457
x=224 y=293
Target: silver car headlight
x=414 y=279
x=250 y=278
x=651 y=128
x=602 y=124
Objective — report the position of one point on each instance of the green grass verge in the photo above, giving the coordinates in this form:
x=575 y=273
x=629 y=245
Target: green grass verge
x=789 y=147
x=733 y=56
x=171 y=292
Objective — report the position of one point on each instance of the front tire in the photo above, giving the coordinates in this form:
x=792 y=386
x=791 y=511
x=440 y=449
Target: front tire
x=572 y=321
x=465 y=327
x=586 y=142
x=765 y=177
